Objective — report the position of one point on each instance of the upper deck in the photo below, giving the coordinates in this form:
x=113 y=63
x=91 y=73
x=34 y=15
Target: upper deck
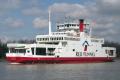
x=70 y=31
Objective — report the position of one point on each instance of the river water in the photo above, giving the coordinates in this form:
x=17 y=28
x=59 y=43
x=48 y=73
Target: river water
x=84 y=71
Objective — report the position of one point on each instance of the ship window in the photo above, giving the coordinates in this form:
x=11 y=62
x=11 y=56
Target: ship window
x=51 y=38
x=45 y=38
x=102 y=41
x=57 y=38
x=64 y=44
x=28 y=51
x=37 y=39
x=13 y=50
x=22 y=50
x=62 y=38
x=40 y=51
x=73 y=49
x=111 y=53
x=32 y=50
x=73 y=25
x=50 y=51
x=40 y=39
x=67 y=25
x=106 y=51
x=57 y=56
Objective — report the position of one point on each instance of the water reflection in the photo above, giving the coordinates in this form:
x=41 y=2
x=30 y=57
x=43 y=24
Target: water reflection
x=87 y=71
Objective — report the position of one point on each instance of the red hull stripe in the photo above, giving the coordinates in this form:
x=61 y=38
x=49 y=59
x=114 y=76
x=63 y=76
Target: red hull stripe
x=58 y=60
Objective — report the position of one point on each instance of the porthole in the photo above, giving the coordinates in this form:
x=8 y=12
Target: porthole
x=73 y=49
x=28 y=51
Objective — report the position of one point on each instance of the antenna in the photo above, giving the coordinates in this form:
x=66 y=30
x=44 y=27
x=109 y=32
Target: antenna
x=49 y=22
x=93 y=24
x=90 y=34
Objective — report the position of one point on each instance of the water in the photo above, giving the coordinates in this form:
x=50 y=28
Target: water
x=84 y=71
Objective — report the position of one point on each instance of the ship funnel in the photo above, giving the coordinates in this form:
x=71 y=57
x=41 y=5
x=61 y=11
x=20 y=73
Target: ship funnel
x=81 y=25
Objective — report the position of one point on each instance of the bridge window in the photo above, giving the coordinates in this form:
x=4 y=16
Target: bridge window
x=68 y=25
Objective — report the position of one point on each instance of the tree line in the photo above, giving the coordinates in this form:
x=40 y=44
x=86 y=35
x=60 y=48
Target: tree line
x=4 y=48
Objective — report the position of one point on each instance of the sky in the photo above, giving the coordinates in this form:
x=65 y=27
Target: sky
x=24 y=19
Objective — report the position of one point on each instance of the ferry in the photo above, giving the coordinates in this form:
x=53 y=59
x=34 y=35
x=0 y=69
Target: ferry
x=73 y=42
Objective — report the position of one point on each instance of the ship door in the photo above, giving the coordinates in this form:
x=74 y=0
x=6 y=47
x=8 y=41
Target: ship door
x=85 y=45
x=85 y=48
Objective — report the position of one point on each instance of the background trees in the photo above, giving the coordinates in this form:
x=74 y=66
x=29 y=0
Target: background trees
x=3 y=49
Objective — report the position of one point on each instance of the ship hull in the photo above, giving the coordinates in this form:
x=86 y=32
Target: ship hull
x=58 y=60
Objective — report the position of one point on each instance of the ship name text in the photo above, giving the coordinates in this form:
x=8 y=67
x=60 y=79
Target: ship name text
x=85 y=54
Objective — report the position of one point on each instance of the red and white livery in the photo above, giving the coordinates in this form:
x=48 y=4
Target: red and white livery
x=72 y=43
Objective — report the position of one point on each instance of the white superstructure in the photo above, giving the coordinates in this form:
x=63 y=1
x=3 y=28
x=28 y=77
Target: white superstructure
x=72 y=42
